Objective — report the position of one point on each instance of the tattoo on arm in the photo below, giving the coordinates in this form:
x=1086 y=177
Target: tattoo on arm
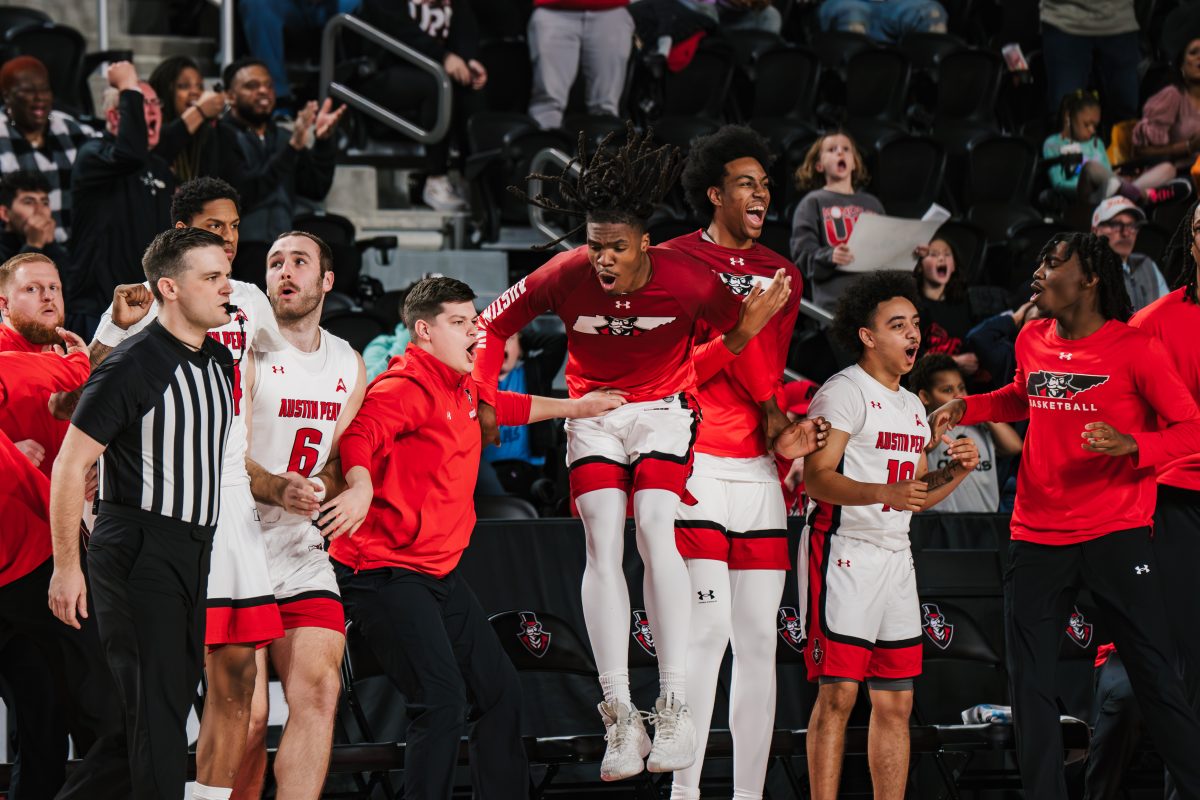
x=97 y=352
x=939 y=478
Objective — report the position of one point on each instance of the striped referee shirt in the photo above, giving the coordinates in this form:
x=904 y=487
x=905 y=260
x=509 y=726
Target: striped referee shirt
x=163 y=411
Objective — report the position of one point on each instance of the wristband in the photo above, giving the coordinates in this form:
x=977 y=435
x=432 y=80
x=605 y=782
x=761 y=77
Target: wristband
x=109 y=334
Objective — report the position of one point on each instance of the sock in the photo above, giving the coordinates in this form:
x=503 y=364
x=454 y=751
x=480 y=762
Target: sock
x=742 y=794
x=684 y=792
x=202 y=792
x=615 y=686
x=605 y=594
x=671 y=683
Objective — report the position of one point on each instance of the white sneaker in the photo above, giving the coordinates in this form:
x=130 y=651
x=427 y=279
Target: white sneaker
x=440 y=195
x=674 y=736
x=628 y=743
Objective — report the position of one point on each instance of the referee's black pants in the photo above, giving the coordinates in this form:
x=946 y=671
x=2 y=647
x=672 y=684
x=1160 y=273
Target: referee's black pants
x=433 y=640
x=54 y=681
x=149 y=575
x=1040 y=587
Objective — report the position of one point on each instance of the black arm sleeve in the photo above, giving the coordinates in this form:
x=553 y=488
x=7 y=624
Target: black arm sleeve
x=463 y=38
x=315 y=174
x=124 y=155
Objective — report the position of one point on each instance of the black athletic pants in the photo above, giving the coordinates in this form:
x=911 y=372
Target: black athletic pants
x=433 y=640
x=1117 y=730
x=54 y=681
x=1040 y=587
x=148 y=580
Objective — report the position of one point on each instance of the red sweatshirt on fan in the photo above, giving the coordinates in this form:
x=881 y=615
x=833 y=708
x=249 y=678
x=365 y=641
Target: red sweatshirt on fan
x=25 y=498
x=732 y=417
x=30 y=417
x=1175 y=321
x=417 y=433
x=1119 y=375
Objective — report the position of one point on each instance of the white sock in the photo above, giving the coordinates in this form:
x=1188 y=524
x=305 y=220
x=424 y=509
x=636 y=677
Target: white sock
x=202 y=792
x=756 y=597
x=605 y=592
x=615 y=686
x=666 y=586
x=684 y=792
x=742 y=794
x=671 y=684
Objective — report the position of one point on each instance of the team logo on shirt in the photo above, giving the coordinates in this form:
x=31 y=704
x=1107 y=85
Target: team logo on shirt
x=531 y=634
x=1079 y=630
x=935 y=626
x=742 y=284
x=619 y=326
x=642 y=633
x=817 y=652
x=1061 y=385
x=791 y=629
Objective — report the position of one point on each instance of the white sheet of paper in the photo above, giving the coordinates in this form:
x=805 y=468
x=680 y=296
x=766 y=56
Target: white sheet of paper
x=887 y=243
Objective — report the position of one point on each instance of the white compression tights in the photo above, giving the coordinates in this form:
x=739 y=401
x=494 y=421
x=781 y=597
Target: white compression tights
x=743 y=611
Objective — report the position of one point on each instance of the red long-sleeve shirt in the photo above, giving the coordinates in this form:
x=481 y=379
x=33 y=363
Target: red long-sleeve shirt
x=1175 y=321
x=418 y=434
x=25 y=498
x=1119 y=375
x=640 y=342
x=732 y=417
x=30 y=417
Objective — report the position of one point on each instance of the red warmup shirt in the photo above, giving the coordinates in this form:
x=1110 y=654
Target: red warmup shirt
x=418 y=434
x=640 y=342
x=1175 y=322
x=732 y=417
x=25 y=498
x=1118 y=375
x=30 y=417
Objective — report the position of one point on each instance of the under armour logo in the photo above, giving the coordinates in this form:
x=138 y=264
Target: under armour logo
x=737 y=262
x=276 y=369
x=843 y=562
x=623 y=304
x=1141 y=569
x=709 y=595
x=876 y=405
x=1066 y=356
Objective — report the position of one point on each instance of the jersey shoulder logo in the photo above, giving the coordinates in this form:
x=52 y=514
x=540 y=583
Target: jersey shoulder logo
x=1061 y=385
x=618 y=326
x=741 y=285
x=341 y=386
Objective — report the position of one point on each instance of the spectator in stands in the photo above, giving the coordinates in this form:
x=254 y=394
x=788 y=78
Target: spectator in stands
x=190 y=115
x=1091 y=179
x=994 y=342
x=36 y=138
x=833 y=172
x=1170 y=123
x=1118 y=220
x=531 y=361
x=565 y=35
x=937 y=380
x=263 y=22
x=883 y=20
x=28 y=221
x=944 y=305
x=271 y=167
x=758 y=15
x=445 y=31
x=122 y=198
x=380 y=350
x=1100 y=34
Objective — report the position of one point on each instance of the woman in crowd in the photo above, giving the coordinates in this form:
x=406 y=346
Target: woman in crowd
x=189 y=117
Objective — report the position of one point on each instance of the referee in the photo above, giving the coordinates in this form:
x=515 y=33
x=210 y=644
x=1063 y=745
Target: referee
x=158 y=410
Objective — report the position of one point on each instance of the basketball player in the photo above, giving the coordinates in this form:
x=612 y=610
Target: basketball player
x=301 y=399
x=1085 y=500
x=241 y=614
x=865 y=619
x=631 y=313
x=734 y=537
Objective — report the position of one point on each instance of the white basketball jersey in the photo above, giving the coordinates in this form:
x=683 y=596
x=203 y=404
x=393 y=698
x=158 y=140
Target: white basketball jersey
x=887 y=434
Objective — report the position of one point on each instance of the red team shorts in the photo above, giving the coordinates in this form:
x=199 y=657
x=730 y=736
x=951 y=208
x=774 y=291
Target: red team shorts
x=865 y=619
x=638 y=446
x=313 y=610
x=740 y=522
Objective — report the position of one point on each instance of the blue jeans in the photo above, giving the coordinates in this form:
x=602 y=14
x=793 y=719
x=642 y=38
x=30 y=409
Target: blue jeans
x=1069 y=60
x=886 y=21
x=263 y=21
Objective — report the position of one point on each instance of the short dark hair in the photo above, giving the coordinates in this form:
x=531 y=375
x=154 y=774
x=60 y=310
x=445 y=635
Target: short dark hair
x=856 y=308
x=326 y=254
x=231 y=71
x=164 y=258
x=1097 y=258
x=199 y=192
x=708 y=156
x=23 y=181
x=927 y=366
x=163 y=79
x=428 y=295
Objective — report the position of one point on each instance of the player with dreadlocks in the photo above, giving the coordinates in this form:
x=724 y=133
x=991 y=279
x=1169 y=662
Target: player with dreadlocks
x=631 y=312
x=1105 y=404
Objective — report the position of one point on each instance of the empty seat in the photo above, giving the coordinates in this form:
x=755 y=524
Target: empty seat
x=356 y=327
x=907 y=175
x=785 y=84
x=961 y=665
x=700 y=88
x=1000 y=172
x=876 y=91
x=968 y=85
x=836 y=48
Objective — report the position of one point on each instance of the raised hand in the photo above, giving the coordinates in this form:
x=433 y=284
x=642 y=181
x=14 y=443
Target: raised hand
x=131 y=302
x=327 y=119
x=943 y=419
x=305 y=118
x=802 y=437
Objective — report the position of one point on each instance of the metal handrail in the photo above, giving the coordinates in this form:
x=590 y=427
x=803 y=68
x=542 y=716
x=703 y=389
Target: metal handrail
x=550 y=156
x=339 y=91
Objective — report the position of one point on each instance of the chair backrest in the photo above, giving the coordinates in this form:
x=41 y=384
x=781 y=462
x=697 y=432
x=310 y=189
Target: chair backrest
x=926 y=50
x=969 y=242
x=961 y=667
x=12 y=17
x=968 y=85
x=877 y=84
x=785 y=83
x=538 y=641
x=356 y=327
x=701 y=87
x=958 y=573
x=332 y=228
x=510 y=74
x=61 y=49
x=749 y=44
x=503 y=507
x=836 y=48
x=1000 y=169
x=908 y=174
x=949 y=632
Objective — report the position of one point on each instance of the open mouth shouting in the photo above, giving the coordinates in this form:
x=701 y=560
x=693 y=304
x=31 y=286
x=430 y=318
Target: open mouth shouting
x=471 y=352
x=756 y=214
x=607 y=279
x=1037 y=288
x=910 y=354
x=942 y=271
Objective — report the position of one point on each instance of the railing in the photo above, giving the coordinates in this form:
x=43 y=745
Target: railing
x=339 y=91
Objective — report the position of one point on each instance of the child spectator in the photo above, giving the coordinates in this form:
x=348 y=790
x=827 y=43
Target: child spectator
x=944 y=305
x=832 y=171
x=937 y=380
x=1093 y=179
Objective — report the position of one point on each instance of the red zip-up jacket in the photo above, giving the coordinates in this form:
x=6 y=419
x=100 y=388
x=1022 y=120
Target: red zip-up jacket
x=25 y=496
x=418 y=434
